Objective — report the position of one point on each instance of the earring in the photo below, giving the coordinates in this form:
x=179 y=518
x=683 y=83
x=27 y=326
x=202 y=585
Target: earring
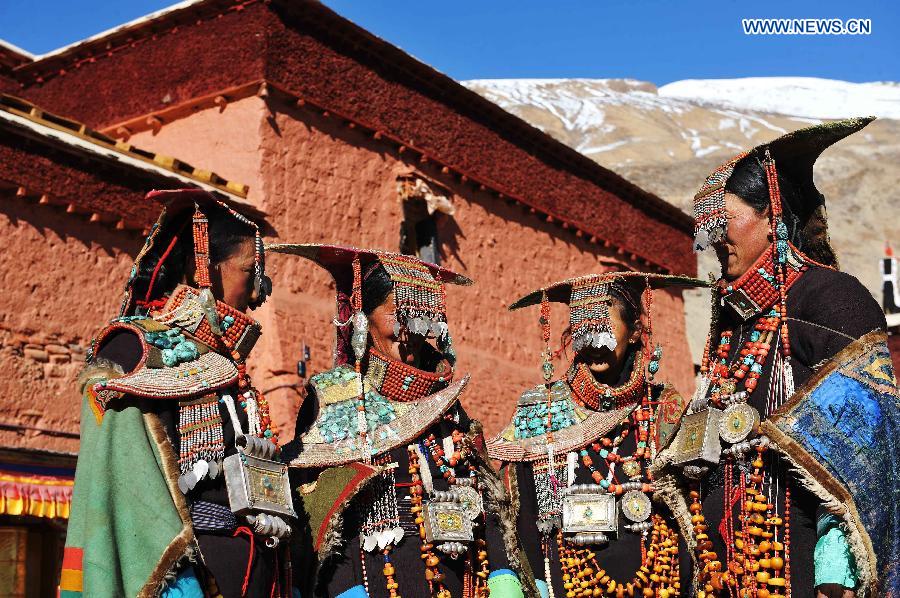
x=653 y=367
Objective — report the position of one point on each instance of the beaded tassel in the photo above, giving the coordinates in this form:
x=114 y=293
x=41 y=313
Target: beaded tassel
x=359 y=342
x=201 y=440
x=547 y=369
x=381 y=517
x=201 y=274
x=780 y=239
x=433 y=574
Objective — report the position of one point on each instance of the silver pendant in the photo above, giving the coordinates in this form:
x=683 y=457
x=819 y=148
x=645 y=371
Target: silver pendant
x=698 y=438
x=470 y=500
x=201 y=468
x=738 y=422
x=589 y=512
x=636 y=506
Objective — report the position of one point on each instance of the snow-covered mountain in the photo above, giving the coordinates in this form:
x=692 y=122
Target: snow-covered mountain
x=796 y=96
x=668 y=139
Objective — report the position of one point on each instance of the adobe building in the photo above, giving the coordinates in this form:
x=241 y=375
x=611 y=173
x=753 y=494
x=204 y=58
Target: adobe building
x=335 y=136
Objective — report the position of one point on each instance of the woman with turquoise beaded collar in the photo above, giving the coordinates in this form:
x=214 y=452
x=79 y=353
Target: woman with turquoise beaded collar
x=152 y=511
x=578 y=447
x=386 y=450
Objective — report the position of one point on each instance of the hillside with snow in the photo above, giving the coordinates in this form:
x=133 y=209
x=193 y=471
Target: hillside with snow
x=668 y=139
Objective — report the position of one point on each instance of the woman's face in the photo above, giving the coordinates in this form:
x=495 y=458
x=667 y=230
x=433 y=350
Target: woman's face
x=232 y=279
x=607 y=365
x=747 y=237
x=405 y=347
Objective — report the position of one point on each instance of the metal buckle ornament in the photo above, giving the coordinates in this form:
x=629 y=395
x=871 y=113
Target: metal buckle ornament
x=589 y=512
x=742 y=304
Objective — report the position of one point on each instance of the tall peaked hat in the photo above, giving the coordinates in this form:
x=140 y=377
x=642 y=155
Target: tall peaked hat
x=793 y=156
x=418 y=290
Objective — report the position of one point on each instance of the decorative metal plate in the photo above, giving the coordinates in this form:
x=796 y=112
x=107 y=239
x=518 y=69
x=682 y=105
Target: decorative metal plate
x=447 y=522
x=258 y=485
x=589 y=512
x=737 y=422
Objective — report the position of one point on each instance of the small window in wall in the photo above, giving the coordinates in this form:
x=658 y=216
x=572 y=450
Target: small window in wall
x=423 y=201
x=30 y=556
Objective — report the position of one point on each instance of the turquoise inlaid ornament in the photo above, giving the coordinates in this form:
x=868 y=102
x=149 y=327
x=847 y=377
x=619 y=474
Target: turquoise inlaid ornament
x=176 y=349
x=531 y=420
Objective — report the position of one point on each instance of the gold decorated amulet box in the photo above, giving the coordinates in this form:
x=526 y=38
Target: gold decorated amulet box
x=446 y=522
x=697 y=439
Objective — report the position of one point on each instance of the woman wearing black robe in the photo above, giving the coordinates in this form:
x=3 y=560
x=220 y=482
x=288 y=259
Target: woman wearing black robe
x=410 y=453
x=781 y=312
x=592 y=530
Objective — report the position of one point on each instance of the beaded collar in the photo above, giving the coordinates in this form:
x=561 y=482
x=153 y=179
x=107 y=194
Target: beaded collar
x=402 y=382
x=755 y=291
x=601 y=397
x=184 y=310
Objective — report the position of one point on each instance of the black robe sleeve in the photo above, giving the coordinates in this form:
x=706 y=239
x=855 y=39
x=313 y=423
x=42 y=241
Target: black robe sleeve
x=831 y=310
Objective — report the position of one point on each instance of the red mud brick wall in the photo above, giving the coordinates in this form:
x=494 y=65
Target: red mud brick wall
x=62 y=279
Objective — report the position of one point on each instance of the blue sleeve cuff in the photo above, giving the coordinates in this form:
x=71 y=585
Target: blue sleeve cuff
x=542 y=588
x=354 y=592
x=186 y=586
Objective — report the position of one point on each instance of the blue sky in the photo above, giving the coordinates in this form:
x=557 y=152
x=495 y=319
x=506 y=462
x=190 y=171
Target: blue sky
x=653 y=40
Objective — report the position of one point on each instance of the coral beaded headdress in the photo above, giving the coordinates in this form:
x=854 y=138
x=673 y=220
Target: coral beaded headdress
x=418 y=286
x=176 y=204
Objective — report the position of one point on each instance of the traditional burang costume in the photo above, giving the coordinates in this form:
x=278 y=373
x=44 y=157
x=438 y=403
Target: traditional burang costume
x=577 y=451
x=401 y=499
x=772 y=507
x=175 y=485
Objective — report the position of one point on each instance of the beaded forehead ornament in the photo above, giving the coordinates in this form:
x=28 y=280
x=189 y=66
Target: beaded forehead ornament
x=418 y=295
x=589 y=298
x=174 y=201
x=710 y=222
x=589 y=314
